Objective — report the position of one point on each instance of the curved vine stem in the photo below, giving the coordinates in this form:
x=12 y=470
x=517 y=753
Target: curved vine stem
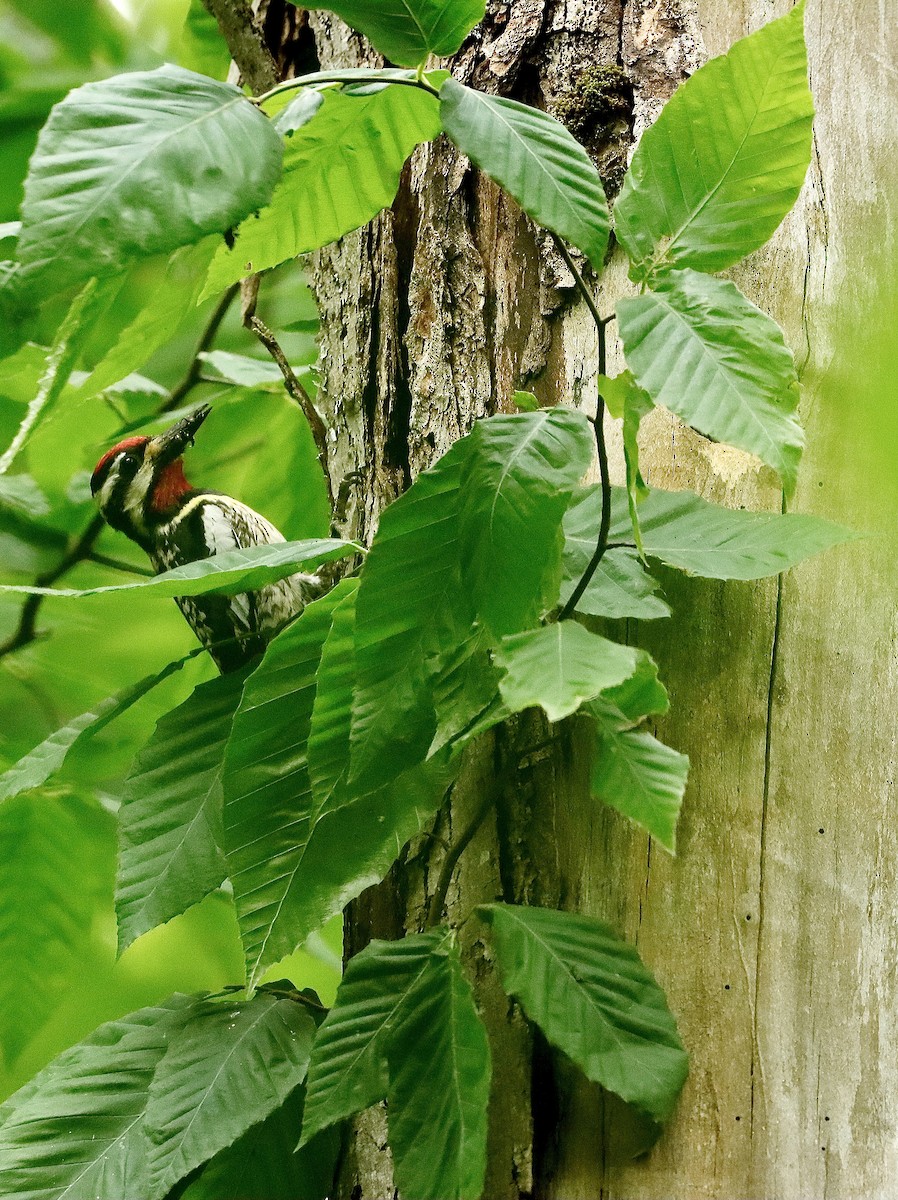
x=598 y=424
x=450 y=862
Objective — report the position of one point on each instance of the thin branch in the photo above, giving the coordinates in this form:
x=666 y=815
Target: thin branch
x=117 y=564
x=295 y=390
x=83 y=547
x=598 y=425
x=26 y=631
x=438 y=900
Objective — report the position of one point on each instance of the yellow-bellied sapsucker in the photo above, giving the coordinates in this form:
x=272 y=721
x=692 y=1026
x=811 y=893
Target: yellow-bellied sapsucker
x=140 y=488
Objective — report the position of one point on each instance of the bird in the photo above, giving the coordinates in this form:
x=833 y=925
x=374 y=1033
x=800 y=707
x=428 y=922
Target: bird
x=141 y=490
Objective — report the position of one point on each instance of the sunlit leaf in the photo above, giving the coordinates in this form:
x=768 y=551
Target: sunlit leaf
x=93 y=198
x=224 y=574
x=704 y=351
x=559 y=666
x=725 y=161
x=202 y=47
x=593 y=998
x=406 y=33
x=340 y=169
x=689 y=533
x=242 y=370
x=535 y=159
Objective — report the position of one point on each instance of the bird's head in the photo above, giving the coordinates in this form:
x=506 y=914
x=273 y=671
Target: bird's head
x=140 y=482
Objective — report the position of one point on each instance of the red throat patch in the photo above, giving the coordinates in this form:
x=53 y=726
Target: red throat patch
x=170 y=487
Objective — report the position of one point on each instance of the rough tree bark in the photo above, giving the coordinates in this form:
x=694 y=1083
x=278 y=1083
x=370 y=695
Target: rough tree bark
x=772 y=930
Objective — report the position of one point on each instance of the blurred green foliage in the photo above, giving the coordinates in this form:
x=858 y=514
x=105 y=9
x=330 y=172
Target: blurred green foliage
x=58 y=844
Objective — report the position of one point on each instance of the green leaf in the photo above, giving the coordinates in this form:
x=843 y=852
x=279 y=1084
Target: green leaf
x=701 y=349
x=439 y=1071
x=263 y=1164
x=594 y=999
x=638 y=775
x=329 y=730
x=60 y=362
x=404 y=1027
x=535 y=159
x=141 y=164
x=725 y=161
x=75 y=1131
x=642 y=694
x=224 y=574
x=267 y=789
x=414 y=554
x=40 y=763
x=517 y=480
x=686 y=532
x=294 y=859
x=559 y=666
x=227 y=1069
x=173 y=296
x=629 y=403
x=340 y=169
x=170 y=822
x=525 y=401
x=21 y=492
x=621 y=586
x=242 y=370
x=58 y=856
x=202 y=47
x=466 y=693
x=406 y=33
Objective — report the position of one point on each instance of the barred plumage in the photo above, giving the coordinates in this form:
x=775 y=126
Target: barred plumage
x=141 y=490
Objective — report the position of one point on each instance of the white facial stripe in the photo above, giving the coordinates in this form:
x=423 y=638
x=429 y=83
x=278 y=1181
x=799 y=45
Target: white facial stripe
x=110 y=484
x=137 y=493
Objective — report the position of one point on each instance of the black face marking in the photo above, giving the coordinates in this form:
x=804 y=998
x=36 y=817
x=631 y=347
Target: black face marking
x=125 y=464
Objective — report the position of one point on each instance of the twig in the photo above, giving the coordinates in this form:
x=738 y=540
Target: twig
x=26 y=631
x=295 y=390
x=117 y=564
x=83 y=547
x=598 y=425
x=438 y=900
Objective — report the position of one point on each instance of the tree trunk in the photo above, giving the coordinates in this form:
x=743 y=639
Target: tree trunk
x=772 y=930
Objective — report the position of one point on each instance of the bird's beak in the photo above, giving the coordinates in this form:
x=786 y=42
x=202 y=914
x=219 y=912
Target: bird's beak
x=170 y=445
